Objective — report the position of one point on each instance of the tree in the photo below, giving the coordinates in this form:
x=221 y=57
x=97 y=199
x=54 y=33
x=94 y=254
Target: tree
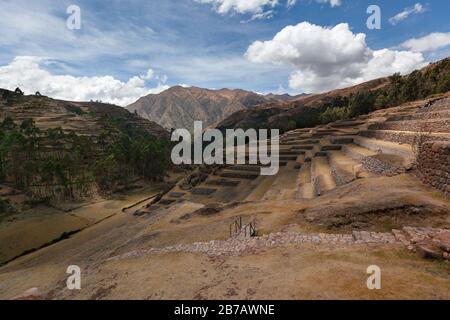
x=361 y=103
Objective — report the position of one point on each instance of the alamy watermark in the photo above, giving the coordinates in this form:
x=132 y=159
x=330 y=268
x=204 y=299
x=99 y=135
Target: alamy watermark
x=74 y=280
x=73 y=22
x=374 y=281
x=374 y=20
x=237 y=147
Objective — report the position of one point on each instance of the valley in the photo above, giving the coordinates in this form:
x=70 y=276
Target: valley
x=342 y=201
x=215 y=158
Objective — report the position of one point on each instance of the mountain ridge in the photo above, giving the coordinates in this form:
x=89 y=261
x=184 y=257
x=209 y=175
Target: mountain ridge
x=179 y=107
x=340 y=104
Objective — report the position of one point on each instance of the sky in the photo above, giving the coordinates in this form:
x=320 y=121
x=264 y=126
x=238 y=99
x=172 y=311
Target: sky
x=123 y=50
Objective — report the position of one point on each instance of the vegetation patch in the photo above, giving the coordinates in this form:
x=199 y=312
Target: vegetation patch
x=74 y=109
x=54 y=164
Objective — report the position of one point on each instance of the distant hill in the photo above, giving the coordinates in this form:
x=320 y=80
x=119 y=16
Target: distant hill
x=285 y=97
x=179 y=107
x=60 y=149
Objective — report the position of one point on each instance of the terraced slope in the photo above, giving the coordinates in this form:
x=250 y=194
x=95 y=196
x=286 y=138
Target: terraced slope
x=316 y=161
x=81 y=118
x=57 y=150
x=341 y=201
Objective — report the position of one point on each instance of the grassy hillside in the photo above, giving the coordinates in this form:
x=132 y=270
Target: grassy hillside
x=53 y=149
x=346 y=103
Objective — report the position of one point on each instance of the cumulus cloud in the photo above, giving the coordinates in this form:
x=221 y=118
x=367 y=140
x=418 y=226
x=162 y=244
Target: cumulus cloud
x=430 y=42
x=418 y=8
x=29 y=73
x=324 y=59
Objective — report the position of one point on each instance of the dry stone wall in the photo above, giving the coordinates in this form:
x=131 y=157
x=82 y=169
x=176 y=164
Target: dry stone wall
x=433 y=165
x=435 y=125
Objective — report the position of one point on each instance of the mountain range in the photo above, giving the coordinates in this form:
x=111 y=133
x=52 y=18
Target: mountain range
x=179 y=107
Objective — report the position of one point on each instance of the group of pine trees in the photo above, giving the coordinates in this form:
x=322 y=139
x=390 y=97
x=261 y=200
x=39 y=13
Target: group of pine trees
x=399 y=90
x=53 y=163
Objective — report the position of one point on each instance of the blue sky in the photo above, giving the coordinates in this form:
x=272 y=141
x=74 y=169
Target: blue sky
x=207 y=44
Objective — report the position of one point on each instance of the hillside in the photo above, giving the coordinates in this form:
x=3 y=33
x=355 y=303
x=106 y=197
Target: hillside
x=179 y=107
x=225 y=231
x=285 y=97
x=350 y=194
x=53 y=149
x=341 y=104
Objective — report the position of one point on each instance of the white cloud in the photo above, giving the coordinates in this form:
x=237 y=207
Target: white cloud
x=34 y=28
x=260 y=9
x=291 y=3
x=28 y=73
x=260 y=16
x=240 y=6
x=418 y=8
x=430 y=42
x=324 y=59
x=333 y=3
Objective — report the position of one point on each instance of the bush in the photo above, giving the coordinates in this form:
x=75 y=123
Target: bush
x=334 y=114
x=5 y=206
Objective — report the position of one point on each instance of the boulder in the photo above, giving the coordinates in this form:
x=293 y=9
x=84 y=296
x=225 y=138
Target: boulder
x=428 y=252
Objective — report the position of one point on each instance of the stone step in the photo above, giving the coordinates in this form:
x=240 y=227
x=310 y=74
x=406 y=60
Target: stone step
x=305 y=187
x=176 y=194
x=203 y=191
x=261 y=188
x=252 y=168
x=308 y=141
x=291 y=152
x=320 y=135
x=321 y=176
x=239 y=174
x=288 y=157
x=341 y=139
x=434 y=125
x=428 y=115
x=406 y=137
x=281 y=163
x=386 y=147
x=285 y=184
x=222 y=182
x=166 y=202
x=327 y=131
x=320 y=154
x=302 y=147
x=344 y=169
x=346 y=124
x=357 y=152
x=331 y=147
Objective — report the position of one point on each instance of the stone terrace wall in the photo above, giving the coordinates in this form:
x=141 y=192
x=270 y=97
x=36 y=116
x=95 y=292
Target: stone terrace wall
x=399 y=137
x=435 y=125
x=433 y=165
